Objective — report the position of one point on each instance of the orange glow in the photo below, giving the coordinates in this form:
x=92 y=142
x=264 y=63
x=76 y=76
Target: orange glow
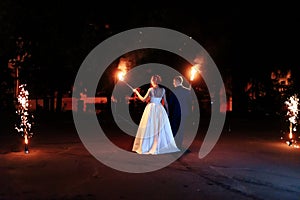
x=26 y=139
x=193 y=73
x=121 y=76
x=290 y=135
x=194 y=69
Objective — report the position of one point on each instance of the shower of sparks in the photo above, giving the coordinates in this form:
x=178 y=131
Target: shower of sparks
x=292 y=106
x=24 y=126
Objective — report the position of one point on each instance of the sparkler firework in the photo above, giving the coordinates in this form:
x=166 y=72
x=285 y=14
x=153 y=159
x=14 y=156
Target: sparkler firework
x=24 y=126
x=292 y=113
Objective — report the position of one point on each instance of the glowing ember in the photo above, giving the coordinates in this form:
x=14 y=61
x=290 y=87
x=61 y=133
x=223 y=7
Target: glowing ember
x=25 y=118
x=292 y=113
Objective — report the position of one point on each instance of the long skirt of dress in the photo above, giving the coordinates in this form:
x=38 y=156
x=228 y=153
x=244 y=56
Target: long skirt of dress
x=154 y=134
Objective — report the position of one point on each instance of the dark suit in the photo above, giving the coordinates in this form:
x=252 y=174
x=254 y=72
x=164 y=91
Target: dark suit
x=180 y=105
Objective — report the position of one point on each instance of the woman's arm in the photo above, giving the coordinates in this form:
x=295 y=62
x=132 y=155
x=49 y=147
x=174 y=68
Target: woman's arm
x=140 y=97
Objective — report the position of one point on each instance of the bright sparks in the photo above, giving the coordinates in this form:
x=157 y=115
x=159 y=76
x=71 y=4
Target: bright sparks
x=25 y=118
x=292 y=106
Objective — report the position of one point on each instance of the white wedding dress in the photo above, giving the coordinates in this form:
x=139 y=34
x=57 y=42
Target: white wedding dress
x=154 y=134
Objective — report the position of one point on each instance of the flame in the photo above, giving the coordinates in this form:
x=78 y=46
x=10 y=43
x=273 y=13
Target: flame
x=122 y=67
x=195 y=68
x=121 y=75
x=193 y=72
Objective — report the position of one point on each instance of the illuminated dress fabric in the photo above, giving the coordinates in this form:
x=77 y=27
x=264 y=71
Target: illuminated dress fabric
x=154 y=134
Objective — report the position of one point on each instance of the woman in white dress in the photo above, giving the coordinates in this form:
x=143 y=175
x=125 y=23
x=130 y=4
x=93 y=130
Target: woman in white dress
x=154 y=134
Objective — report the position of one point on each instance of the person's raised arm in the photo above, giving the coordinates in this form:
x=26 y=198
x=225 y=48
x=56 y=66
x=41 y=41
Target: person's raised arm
x=142 y=98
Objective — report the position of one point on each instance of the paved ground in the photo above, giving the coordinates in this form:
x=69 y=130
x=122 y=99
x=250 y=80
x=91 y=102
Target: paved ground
x=248 y=162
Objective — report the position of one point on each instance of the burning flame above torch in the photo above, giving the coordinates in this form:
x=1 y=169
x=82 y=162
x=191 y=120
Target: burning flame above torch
x=121 y=77
x=123 y=71
x=194 y=69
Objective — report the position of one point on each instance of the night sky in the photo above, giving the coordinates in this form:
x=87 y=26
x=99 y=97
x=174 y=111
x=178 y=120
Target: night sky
x=248 y=39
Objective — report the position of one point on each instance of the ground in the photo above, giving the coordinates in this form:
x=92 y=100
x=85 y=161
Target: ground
x=250 y=161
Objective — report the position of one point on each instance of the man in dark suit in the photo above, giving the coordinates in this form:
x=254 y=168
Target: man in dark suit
x=180 y=107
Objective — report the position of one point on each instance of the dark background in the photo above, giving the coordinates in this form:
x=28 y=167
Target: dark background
x=246 y=40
